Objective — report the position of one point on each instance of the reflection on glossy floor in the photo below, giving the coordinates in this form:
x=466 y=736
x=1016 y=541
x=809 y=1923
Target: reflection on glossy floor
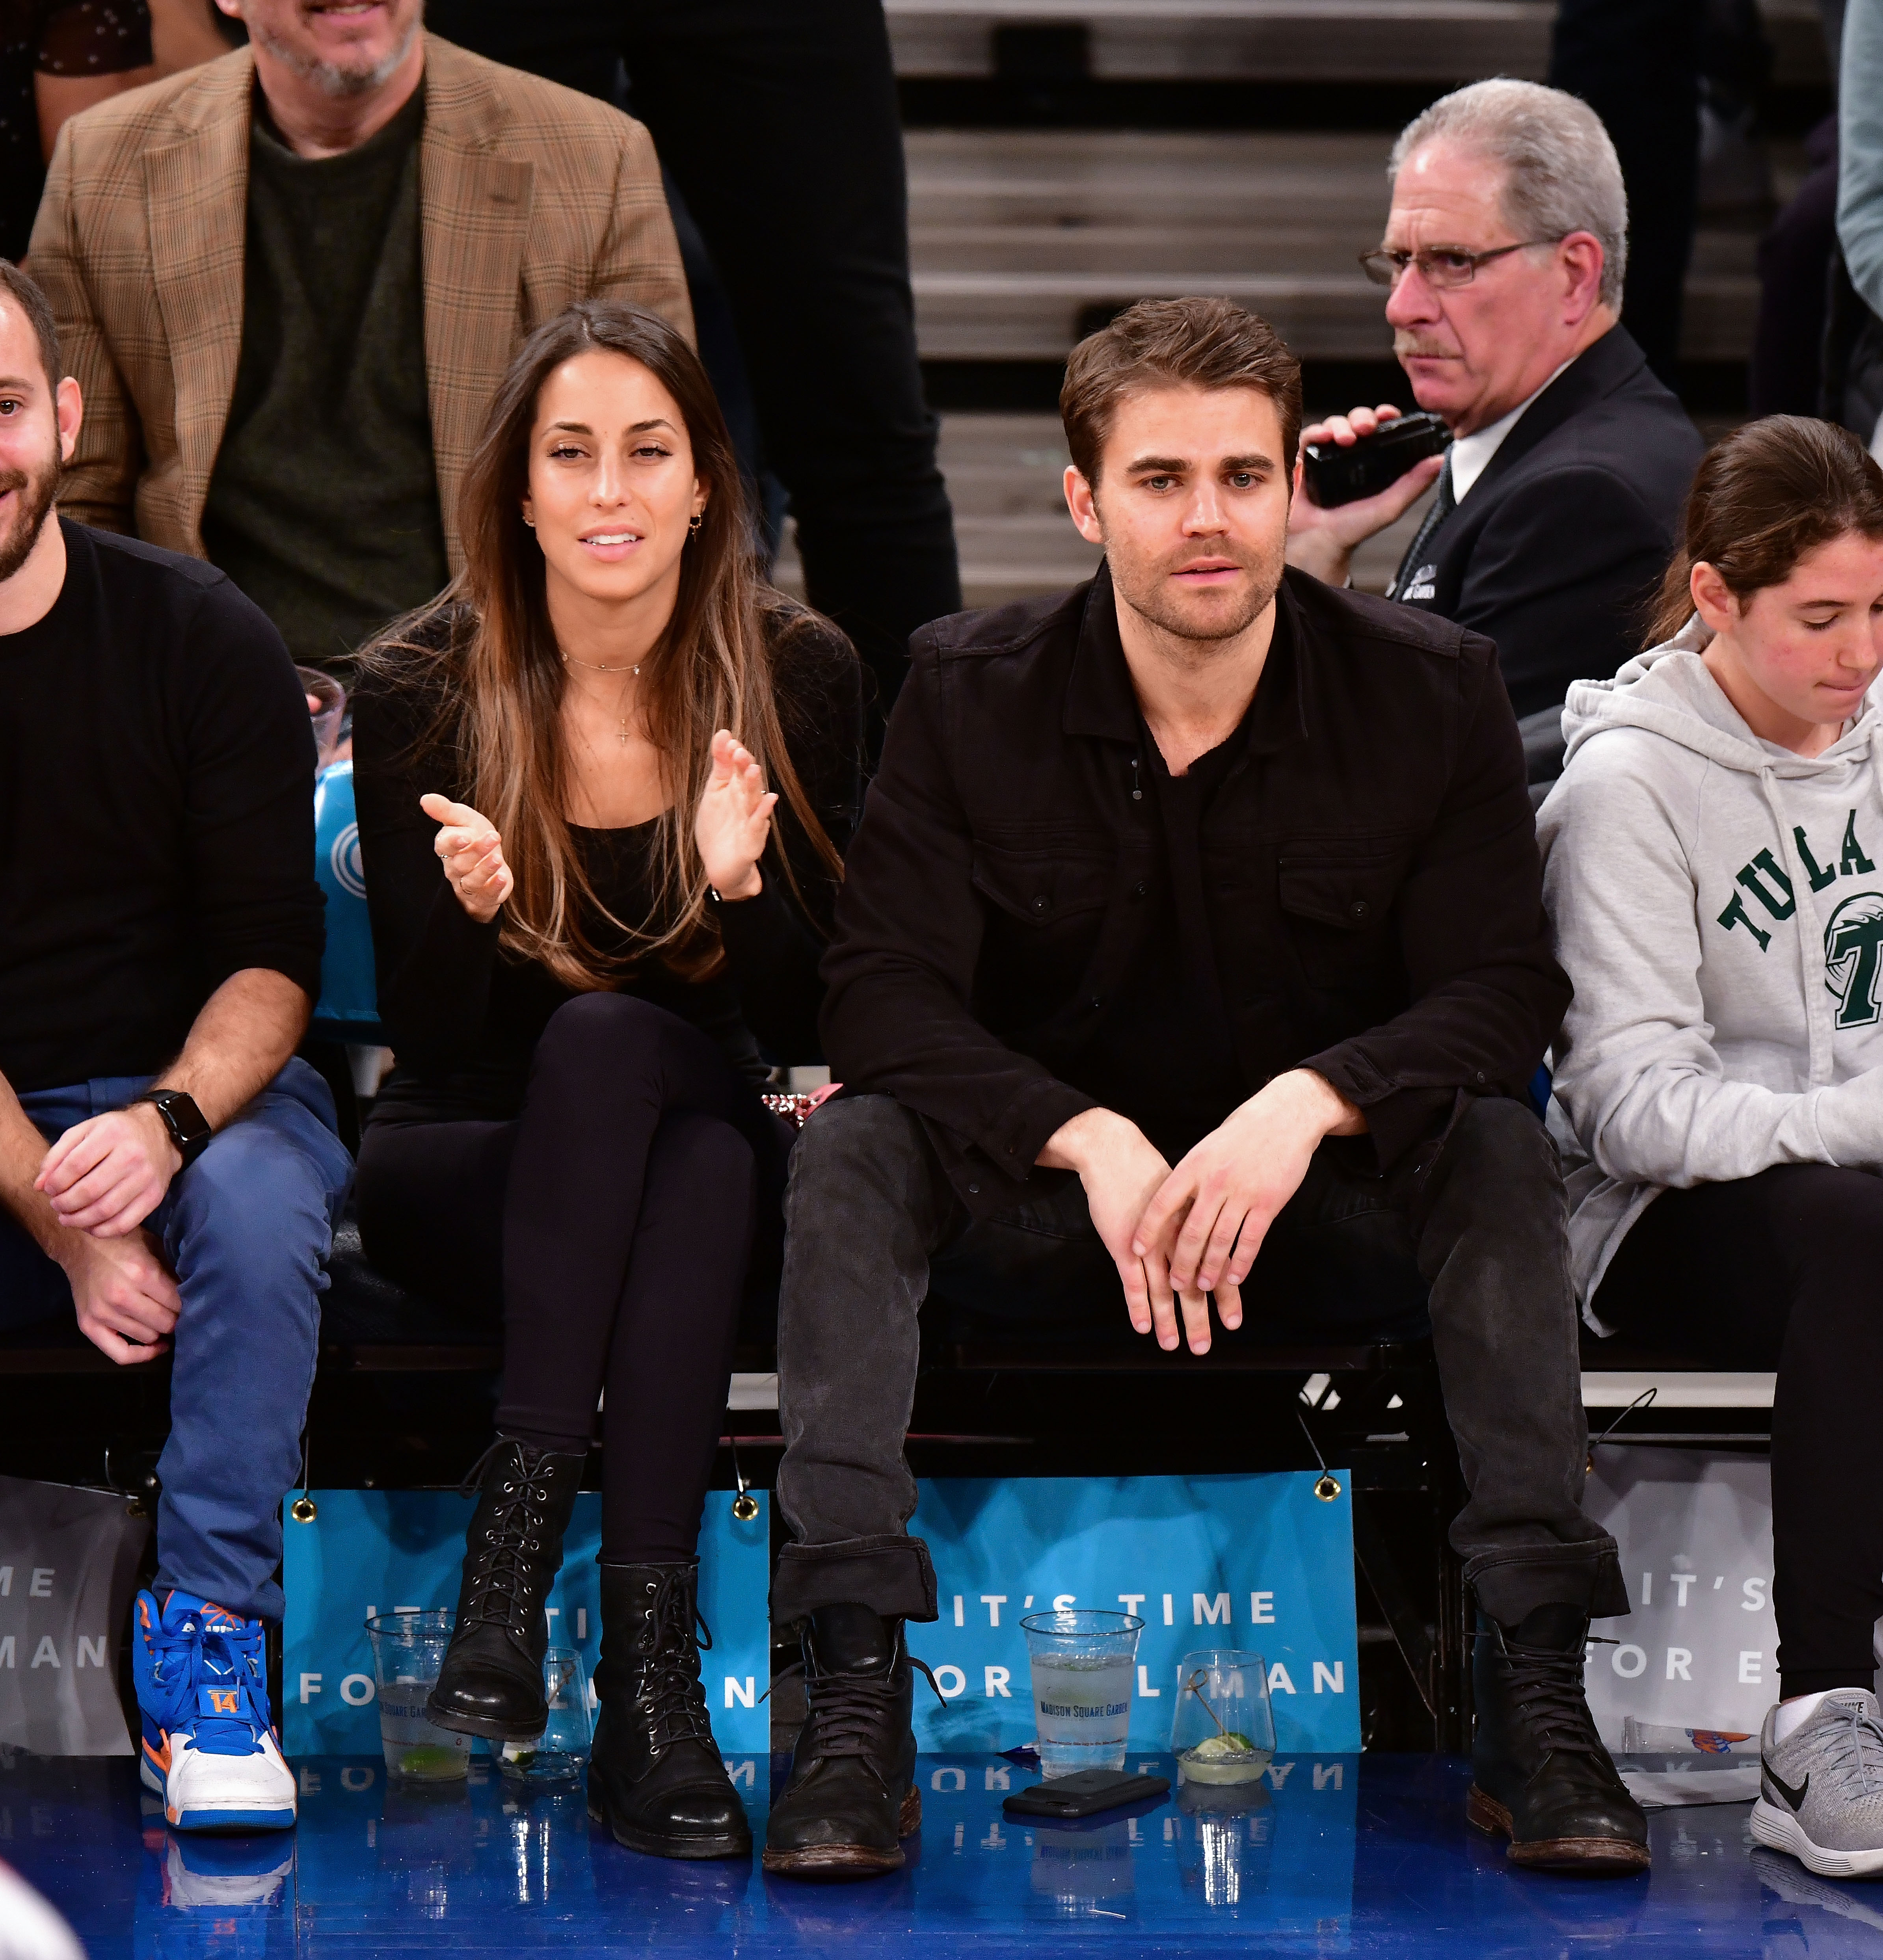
x=1347 y=1855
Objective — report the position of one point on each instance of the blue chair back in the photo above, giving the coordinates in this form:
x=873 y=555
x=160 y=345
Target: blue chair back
x=349 y=1007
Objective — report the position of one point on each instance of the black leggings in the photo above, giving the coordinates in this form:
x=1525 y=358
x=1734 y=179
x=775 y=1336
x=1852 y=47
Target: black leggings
x=1780 y=1271
x=619 y=1209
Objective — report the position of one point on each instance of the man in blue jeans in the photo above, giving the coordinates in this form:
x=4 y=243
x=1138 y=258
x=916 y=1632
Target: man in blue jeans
x=169 y=1171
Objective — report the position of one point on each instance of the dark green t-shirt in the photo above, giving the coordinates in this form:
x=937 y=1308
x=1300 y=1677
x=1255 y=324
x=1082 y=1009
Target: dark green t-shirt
x=324 y=506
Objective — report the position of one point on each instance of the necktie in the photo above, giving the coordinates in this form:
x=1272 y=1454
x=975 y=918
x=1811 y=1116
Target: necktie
x=1440 y=508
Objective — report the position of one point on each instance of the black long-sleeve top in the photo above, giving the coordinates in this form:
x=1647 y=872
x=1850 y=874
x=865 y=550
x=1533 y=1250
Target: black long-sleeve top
x=156 y=812
x=464 y=1014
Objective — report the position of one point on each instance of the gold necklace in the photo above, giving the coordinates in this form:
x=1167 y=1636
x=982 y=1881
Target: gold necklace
x=595 y=666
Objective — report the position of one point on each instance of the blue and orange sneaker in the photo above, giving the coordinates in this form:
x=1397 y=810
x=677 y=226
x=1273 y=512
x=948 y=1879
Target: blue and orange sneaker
x=210 y=1750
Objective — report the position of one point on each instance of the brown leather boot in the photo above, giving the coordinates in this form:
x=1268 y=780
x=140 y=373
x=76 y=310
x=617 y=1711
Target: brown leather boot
x=1540 y=1775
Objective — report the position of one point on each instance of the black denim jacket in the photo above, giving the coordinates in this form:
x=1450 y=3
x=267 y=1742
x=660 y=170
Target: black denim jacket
x=1378 y=851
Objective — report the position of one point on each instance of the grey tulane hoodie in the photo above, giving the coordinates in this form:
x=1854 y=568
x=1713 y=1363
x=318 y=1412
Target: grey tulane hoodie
x=1717 y=903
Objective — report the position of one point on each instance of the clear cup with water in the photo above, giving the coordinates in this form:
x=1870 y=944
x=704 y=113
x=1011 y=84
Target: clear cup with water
x=408 y=1651
x=1082 y=1660
x=561 y=1752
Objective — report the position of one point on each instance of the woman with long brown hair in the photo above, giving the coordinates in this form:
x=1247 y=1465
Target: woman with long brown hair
x=604 y=784
x=1712 y=857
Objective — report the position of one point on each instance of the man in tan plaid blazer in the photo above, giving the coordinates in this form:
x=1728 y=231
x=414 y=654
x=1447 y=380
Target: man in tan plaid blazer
x=530 y=195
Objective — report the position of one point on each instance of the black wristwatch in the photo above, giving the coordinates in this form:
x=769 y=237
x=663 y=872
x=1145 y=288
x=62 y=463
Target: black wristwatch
x=182 y=1119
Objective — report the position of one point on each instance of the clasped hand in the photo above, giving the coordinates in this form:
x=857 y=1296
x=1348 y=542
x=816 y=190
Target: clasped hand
x=103 y=1178
x=1178 y=1235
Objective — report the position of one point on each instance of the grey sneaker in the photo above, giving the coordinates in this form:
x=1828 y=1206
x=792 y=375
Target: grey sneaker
x=1820 y=1790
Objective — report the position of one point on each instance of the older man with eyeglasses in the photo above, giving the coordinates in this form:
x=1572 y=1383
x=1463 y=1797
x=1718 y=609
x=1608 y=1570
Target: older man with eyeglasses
x=1559 y=498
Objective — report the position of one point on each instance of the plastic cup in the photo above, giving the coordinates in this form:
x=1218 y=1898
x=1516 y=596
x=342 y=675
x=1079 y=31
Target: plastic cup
x=1081 y=1661
x=408 y=1650
x=1222 y=1731
x=558 y=1755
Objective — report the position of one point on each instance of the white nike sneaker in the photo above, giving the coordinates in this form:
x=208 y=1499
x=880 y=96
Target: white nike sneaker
x=1820 y=1790
x=209 y=1751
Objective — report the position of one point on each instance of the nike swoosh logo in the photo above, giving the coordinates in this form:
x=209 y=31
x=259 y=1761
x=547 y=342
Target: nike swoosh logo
x=1795 y=1798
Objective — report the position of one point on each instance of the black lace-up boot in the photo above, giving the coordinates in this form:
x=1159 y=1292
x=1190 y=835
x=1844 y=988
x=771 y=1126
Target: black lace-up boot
x=851 y=1798
x=491 y=1684
x=1540 y=1775
x=656 y=1777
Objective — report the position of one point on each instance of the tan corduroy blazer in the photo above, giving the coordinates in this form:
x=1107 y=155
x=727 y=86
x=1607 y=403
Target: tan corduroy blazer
x=530 y=195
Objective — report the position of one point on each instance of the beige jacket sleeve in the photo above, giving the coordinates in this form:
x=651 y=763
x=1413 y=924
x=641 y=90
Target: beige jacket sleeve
x=100 y=481
x=638 y=261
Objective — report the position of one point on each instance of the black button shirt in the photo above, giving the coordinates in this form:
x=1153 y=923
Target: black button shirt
x=1165 y=1051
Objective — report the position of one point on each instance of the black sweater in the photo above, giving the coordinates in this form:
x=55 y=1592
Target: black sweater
x=156 y=812
x=464 y=1015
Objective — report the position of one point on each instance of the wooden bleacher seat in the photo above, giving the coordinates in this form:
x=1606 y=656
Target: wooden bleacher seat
x=1273 y=40
x=1022 y=240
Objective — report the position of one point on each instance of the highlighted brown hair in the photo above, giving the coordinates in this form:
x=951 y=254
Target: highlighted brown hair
x=1175 y=343
x=1764 y=497
x=485 y=647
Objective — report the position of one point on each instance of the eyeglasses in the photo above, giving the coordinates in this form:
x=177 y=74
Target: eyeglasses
x=1442 y=266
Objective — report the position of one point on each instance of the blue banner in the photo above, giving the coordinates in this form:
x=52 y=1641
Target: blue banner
x=1258 y=1564
x=367 y=1551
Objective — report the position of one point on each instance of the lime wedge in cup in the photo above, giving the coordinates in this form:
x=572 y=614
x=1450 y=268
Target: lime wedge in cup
x=1230 y=1758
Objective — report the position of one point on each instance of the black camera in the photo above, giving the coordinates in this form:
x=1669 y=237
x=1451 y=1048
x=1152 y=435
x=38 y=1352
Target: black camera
x=1337 y=474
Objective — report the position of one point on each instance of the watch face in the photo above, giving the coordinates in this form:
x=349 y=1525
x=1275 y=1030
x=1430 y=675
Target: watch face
x=184 y=1121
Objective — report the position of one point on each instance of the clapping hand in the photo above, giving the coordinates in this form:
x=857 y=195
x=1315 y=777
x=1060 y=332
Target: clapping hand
x=734 y=820
x=472 y=853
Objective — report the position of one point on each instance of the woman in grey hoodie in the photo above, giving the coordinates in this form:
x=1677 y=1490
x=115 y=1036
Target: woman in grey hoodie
x=1714 y=873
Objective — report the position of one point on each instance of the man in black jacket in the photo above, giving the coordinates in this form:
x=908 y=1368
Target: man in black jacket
x=1560 y=499
x=1208 y=865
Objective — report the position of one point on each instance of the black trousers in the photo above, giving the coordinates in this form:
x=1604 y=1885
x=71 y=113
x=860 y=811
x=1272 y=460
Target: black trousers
x=1779 y=1271
x=1477 y=1244
x=779 y=122
x=611 y=1221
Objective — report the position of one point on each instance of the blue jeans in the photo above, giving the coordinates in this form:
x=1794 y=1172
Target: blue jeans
x=246 y=1229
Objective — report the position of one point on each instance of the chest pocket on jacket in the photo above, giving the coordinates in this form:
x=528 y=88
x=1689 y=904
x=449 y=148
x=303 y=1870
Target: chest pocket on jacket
x=1042 y=888
x=1339 y=913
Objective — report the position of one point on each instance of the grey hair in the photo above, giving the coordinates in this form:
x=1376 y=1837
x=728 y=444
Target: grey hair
x=1561 y=174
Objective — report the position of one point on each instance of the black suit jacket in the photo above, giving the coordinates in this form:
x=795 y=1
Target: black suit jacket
x=1555 y=551
x=1376 y=852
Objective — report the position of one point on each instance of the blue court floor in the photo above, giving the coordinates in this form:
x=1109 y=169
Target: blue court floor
x=1338 y=1854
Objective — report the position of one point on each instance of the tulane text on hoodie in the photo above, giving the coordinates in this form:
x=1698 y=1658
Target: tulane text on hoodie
x=1718 y=904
